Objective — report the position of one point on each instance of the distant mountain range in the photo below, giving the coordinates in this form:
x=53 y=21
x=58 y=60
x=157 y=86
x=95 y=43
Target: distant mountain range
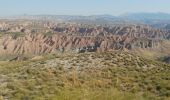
x=154 y=19
x=147 y=16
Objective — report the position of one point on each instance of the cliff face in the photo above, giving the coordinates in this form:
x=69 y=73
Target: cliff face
x=84 y=40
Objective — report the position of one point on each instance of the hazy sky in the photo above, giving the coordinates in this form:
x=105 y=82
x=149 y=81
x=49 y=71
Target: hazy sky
x=82 y=7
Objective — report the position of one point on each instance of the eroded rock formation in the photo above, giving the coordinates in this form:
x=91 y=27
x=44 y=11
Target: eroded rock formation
x=84 y=40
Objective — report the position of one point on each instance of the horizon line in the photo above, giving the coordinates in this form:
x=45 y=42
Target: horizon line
x=87 y=15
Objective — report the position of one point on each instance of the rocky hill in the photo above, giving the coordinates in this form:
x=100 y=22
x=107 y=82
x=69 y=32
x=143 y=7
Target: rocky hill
x=84 y=39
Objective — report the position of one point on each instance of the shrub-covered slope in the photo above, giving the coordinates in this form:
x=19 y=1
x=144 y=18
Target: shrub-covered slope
x=87 y=76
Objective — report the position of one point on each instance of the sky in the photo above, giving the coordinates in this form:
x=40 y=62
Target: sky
x=81 y=7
